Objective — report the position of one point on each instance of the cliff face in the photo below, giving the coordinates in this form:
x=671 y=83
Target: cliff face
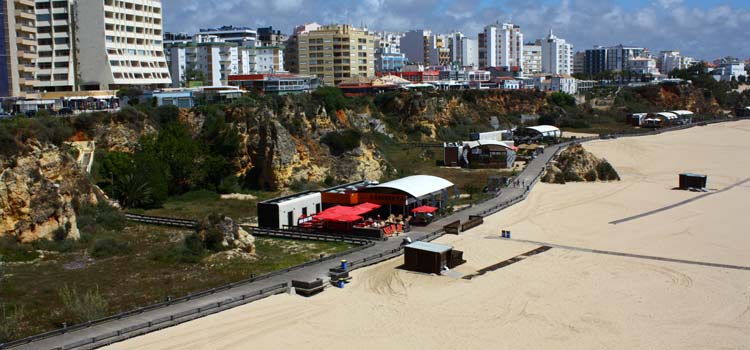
x=37 y=194
x=118 y=135
x=282 y=148
x=431 y=111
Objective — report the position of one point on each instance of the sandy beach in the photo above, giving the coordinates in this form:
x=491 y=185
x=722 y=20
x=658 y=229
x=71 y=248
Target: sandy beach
x=559 y=299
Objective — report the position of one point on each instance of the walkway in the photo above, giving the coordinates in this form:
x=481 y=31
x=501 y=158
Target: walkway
x=376 y=253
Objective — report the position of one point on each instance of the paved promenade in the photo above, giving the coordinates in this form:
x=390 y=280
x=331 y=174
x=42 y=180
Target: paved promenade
x=318 y=270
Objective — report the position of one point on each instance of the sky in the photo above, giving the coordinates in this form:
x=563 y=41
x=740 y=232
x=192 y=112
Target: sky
x=702 y=29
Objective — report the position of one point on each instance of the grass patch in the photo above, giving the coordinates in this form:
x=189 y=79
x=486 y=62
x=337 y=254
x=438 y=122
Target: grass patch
x=130 y=278
x=195 y=205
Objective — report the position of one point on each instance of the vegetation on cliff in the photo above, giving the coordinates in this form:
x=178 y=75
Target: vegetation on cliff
x=575 y=164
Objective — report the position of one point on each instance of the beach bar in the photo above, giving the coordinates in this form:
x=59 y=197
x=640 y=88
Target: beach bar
x=426 y=257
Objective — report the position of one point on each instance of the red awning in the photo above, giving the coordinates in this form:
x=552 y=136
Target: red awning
x=424 y=209
x=347 y=218
x=340 y=211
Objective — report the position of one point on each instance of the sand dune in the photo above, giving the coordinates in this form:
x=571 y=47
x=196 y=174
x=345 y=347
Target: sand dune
x=560 y=299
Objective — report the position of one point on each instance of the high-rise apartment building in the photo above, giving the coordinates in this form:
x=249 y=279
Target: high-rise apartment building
x=209 y=61
x=557 y=55
x=503 y=46
x=532 y=57
x=267 y=36
x=618 y=57
x=119 y=43
x=613 y=58
x=671 y=60
x=18 y=49
x=388 y=56
x=424 y=47
x=579 y=62
x=291 y=46
x=469 y=53
x=595 y=60
x=56 y=67
x=335 y=53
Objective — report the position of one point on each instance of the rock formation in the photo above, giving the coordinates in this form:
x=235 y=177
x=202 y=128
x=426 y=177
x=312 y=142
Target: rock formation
x=575 y=164
x=223 y=232
x=38 y=191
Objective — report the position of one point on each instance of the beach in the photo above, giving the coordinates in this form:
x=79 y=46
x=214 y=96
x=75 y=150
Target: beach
x=564 y=298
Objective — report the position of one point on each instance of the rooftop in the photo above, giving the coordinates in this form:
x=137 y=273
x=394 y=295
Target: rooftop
x=430 y=247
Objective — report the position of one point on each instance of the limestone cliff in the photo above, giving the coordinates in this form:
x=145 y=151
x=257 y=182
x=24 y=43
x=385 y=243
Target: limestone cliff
x=576 y=164
x=122 y=134
x=38 y=190
x=281 y=148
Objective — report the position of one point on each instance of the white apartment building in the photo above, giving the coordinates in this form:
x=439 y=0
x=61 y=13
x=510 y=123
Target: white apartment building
x=643 y=65
x=470 y=53
x=119 y=43
x=502 y=47
x=56 y=45
x=18 y=49
x=557 y=55
x=213 y=59
x=728 y=71
x=532 y=58
x=456 y=46
x=669 y=61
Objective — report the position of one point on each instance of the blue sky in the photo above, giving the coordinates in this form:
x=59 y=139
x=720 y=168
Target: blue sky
x=704 y=29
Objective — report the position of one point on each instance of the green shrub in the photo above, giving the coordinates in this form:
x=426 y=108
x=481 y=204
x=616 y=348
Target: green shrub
x=10 y=320
x=572 y=176
x=332 y=98
x=198 y=195
x=100 y=216
x=607 y=172
x=83 y=306
x=12 y=250
x=562 y=99
x=107 y=247
x=342 y=141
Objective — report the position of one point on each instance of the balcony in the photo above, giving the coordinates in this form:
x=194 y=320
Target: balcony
x=25 y=28
x=26 y=14
x=28 y=55
x=28 y=68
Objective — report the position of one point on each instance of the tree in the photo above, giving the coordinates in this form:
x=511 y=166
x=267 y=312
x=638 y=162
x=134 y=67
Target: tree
x=332 y=98
x=562 y=99
x=471 y=190
x=193 y=75
x=131 y=95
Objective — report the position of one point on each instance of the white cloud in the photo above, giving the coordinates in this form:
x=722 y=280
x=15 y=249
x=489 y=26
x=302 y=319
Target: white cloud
x=707 y=32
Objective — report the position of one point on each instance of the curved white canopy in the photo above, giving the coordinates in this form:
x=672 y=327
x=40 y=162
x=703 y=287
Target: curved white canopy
x=418 y=185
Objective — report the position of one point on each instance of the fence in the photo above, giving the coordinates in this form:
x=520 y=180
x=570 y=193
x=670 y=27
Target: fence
x=188 y=297
x=171 y=320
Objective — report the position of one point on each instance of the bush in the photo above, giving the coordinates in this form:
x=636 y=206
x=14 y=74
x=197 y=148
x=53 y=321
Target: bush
x=342 y=141
x=10 y=319
x=83 y=306
x=190 y=251
x=607 y=172
x=332 y=98
x=12 y=250
x=562 y=99
x=107 y=247
x=101 y=216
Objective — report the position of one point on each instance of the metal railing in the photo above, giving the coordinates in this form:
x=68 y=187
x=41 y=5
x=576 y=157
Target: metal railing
x=188 y=297
x=171 y=320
